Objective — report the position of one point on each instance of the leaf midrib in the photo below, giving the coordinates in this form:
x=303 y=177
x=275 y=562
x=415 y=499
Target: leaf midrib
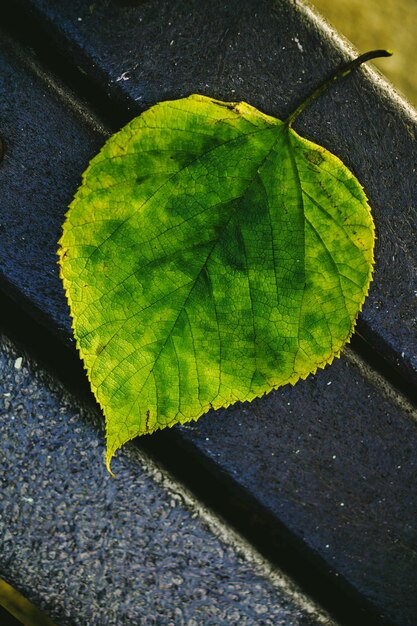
x=204 y=266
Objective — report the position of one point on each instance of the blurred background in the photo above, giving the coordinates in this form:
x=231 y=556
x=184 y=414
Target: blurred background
x=389 y=24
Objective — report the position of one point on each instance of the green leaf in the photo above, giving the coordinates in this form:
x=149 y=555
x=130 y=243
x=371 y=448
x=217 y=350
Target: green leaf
x=210 y=255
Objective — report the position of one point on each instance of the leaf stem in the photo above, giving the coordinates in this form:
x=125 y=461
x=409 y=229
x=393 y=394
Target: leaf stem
x=344 y=70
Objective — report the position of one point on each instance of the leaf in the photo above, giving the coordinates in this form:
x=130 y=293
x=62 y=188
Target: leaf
x=210 y=255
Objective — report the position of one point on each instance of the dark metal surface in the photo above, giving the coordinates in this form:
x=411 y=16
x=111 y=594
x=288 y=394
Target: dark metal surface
x=45 y=145
x=270 y=54
x=335 y=462
x=92 y=550
x=352 y=518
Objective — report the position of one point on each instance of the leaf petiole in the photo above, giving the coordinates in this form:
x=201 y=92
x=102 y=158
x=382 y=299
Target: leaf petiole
x=344 y=70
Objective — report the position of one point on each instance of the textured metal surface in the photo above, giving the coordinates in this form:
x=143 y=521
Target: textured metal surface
x=370 y=540
x=335 y=462
x=45 y=149
x=271 y=54
x=92 y=550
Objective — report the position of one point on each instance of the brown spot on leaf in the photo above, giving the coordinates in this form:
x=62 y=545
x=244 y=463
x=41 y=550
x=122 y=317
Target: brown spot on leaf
x=314 y=156
x=227 y=105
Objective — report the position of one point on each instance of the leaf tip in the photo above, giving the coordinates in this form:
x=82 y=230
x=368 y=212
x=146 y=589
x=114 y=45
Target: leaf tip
x=109 y=456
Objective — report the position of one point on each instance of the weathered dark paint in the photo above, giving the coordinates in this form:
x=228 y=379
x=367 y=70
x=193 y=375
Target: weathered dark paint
x=251 y=51
x=251 y=451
